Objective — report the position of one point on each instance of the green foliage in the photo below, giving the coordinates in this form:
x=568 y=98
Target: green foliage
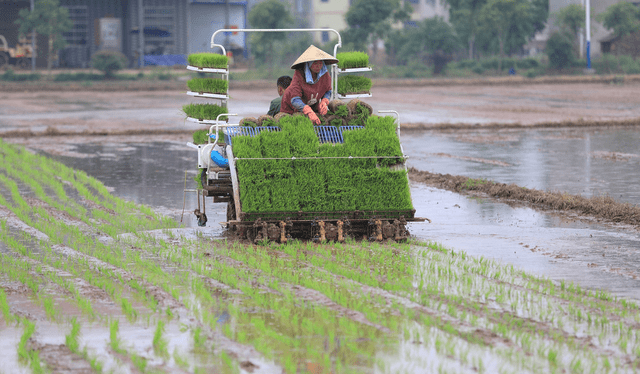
x=208 y=60
x=11 y=76
x=204 y=111
x=611 y=64
x=76 y=77
x=350 y=60
x=572 y=18
x=560 y=51
x=623 y=18
x=109 y=62
x=210 y=85
x=504 y=26
x=269 y=14
x=71 y=340
x=433 y=40
x=50 y=19
x=341 y=111
x=369 y=20
x=353 y=84
x=322 y=184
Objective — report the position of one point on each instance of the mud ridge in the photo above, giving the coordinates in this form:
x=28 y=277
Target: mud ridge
x=599 y=207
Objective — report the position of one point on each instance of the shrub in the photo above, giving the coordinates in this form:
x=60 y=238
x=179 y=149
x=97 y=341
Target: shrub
x=77 y=77
x=350 y=60
x=610 y=64
x=478 y=70
x=353 y=84
x=208 y=60
x=210 y=85
x=560 y=51
x=204 y=111
x=109 y=62
x=10 y=76
x=527 y=63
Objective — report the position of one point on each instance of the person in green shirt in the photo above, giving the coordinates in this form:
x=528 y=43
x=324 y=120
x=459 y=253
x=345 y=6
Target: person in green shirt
x=282 y=83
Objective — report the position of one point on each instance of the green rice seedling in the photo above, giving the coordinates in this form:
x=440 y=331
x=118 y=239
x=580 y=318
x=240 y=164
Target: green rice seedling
x=139 y=362
x=205 y=111
x=208 y=85
x=71 y=340
x=353 y=84
x=199 y=339
x=114 y=340
x=179 y=359
x=350 y=60
x=208 y=60
x=26 y=356
x=160 y=344
x=4 y=305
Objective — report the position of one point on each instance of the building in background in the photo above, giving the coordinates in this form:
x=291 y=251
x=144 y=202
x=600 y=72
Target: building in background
x=599 y=34
x=170 y=27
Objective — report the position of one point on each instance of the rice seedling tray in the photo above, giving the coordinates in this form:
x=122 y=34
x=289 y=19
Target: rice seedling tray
x=208 y=95
x=355 y=70
x=354 y=96
x=207 y=70
x=206 y=121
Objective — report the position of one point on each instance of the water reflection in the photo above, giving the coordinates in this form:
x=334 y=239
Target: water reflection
x=589 y=163
x=591 y=254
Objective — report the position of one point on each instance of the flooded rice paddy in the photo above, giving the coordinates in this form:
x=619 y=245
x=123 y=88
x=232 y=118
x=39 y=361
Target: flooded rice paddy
x=92 y=282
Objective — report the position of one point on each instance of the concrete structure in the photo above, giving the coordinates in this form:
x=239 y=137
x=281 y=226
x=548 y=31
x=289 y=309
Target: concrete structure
x=170 y=27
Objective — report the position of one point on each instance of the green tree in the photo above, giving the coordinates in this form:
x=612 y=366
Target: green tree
x=463 y=14
x=571 y=19
x=50 y=19
x=434 y=40
x=370 y=20
x=508 y=24
x=623 y=18
x=269 y=14
x=559 y=50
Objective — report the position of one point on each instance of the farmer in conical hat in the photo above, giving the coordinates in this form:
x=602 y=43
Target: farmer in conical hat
x=310 y=89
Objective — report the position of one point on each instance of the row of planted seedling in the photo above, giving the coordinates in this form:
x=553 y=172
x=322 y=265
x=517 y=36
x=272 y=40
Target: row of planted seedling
x=405 y=294
x=99 y=264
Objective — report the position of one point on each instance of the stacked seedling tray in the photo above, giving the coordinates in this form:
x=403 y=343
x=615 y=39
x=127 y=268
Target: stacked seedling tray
x=353 y=86
x=216 y=88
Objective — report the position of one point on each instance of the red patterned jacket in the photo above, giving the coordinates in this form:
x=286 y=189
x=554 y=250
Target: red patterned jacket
x=311 y=94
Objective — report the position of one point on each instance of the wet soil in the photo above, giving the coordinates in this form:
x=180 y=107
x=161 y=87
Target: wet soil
x=143 y=159
x=601 y=208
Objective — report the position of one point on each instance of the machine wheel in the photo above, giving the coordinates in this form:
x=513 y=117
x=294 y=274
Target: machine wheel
x=231 y=210
x=4 y=59
x=23 y=63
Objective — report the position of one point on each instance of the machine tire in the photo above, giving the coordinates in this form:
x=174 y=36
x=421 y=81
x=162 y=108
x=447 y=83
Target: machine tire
x=23 y=63
x=4 y=59
x=231 y=211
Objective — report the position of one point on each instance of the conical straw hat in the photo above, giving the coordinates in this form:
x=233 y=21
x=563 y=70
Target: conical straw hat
x=314 y=53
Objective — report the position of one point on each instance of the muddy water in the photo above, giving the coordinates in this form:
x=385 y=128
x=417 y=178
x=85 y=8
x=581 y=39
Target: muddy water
x=585 y=162
x=592 y=254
